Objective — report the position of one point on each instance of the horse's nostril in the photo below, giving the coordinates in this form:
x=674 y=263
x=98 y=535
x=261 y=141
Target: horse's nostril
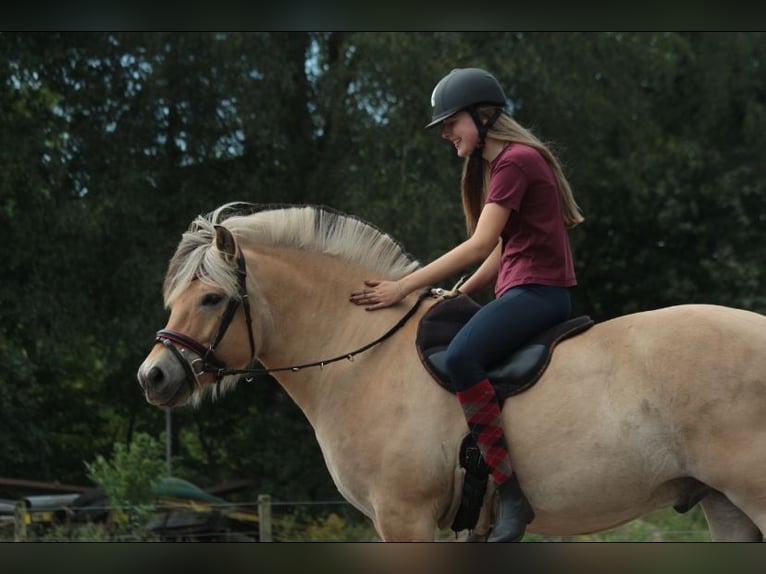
x=150 y=378
x=155 y=376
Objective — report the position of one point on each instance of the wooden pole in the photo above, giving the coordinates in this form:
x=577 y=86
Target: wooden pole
x=20 y=522
x=264 y=518
x=168 y=438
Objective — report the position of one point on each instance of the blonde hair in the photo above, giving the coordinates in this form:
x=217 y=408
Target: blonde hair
x=475 y=179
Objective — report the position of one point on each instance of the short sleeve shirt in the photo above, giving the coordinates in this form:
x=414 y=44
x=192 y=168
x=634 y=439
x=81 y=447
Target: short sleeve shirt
x=535 y=242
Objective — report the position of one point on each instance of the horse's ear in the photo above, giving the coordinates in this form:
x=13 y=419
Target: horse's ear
x=225 y=242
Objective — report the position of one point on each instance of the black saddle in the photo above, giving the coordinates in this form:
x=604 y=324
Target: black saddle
x=520 y=371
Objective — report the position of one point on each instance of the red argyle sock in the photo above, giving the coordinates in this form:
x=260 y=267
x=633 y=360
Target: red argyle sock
x=482 y=412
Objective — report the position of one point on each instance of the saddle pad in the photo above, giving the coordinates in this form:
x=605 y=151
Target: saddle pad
x=520 y=371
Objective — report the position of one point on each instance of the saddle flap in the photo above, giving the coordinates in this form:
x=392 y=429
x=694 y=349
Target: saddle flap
x=528 y=358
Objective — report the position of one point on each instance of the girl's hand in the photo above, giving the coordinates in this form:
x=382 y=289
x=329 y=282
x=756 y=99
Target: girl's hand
x=444 y=293
x=378 y=294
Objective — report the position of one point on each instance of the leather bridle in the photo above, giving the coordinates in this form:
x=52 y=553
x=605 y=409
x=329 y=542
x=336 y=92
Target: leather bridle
x=206 y=360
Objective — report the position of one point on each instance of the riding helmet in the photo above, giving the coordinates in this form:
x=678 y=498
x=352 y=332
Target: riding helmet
x=464 y=88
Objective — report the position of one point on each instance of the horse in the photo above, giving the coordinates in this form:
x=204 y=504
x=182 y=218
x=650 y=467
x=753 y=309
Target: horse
x=659 y=408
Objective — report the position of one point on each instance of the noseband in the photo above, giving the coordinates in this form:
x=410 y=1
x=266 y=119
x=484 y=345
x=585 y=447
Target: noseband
x=206 y=360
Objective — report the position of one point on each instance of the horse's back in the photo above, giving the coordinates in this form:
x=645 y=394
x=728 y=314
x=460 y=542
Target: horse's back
x=674 y=341
x=707 y=352
x=634 y=406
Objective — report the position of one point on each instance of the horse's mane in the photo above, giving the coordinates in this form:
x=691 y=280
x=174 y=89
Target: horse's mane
x=312 y=228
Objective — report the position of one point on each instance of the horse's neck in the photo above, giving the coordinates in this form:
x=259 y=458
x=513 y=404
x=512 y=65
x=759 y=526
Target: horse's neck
x=312 y=319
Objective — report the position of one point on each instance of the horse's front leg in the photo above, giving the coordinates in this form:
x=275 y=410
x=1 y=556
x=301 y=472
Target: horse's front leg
x=397 y=524
x=407 y=503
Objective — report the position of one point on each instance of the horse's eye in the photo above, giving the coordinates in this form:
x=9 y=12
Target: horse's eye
x=211 y=299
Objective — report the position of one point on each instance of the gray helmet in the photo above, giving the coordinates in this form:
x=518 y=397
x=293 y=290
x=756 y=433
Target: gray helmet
x=464 y=88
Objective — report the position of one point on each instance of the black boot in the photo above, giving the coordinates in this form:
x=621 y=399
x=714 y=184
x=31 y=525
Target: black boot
x=513 y=513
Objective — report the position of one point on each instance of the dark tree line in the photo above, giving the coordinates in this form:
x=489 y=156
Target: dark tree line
x=110 y=144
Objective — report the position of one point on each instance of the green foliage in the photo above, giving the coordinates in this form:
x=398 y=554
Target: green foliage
x=78 y=533
x=332 y=527
x=131 y=475
x=663 y=526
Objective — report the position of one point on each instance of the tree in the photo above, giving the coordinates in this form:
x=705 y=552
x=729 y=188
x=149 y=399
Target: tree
x=131 y=476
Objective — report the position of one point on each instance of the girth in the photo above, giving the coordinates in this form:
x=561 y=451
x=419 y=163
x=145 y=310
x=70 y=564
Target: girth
x=523 y=367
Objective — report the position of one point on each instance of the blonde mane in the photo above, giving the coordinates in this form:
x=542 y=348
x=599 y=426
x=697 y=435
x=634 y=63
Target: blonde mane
x=309 y=228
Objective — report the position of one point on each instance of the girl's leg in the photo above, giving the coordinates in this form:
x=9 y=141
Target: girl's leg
x=501 y=327
x=497 y=329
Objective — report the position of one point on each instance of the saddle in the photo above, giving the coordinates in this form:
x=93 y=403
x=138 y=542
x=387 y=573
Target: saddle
x=523 y=367
x=518 y=372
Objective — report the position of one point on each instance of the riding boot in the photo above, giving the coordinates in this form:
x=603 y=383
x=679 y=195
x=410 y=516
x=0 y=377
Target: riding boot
x=482 y=412
x=513 y=513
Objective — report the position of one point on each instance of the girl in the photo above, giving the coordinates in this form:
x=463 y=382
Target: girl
x=518 y=206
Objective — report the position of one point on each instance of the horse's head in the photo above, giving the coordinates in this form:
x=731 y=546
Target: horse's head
x=209 y=329
x=209 y=337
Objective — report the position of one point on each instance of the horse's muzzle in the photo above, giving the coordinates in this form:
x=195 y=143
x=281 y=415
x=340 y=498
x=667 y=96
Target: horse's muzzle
x=165 y=380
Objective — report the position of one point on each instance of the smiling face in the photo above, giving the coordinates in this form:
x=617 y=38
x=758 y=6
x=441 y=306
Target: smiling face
x=461 y=130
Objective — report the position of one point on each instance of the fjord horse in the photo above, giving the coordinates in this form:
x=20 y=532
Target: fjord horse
x=649 y=410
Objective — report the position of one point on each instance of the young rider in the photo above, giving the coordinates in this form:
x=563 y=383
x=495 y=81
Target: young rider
x=518 y=206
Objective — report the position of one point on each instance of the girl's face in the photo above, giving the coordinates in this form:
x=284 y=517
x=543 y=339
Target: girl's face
x=461 y=130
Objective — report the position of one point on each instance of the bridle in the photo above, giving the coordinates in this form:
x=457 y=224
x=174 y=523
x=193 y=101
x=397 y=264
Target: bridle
x=206 y=361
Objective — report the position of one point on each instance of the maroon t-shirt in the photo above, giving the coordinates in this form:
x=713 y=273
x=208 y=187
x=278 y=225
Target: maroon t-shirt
x=535 y=243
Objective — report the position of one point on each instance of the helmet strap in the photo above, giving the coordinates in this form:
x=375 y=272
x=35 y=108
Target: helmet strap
x=482 y=127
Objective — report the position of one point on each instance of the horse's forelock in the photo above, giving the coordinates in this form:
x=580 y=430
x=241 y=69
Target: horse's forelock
x=196 y=258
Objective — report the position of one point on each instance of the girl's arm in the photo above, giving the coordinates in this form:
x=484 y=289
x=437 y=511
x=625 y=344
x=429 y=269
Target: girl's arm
x=378 y=294
x=484 y=275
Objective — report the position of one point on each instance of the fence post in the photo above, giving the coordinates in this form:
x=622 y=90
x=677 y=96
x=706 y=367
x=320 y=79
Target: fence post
x=264 y=518
x=20 y=522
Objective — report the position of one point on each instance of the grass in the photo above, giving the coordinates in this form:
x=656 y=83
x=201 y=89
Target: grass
x=662 y=526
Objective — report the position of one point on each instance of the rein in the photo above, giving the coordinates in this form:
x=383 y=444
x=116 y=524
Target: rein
x=207 y=360
x=348 y=356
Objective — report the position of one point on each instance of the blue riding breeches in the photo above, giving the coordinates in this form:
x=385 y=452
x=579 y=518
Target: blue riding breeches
x=502 y=326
